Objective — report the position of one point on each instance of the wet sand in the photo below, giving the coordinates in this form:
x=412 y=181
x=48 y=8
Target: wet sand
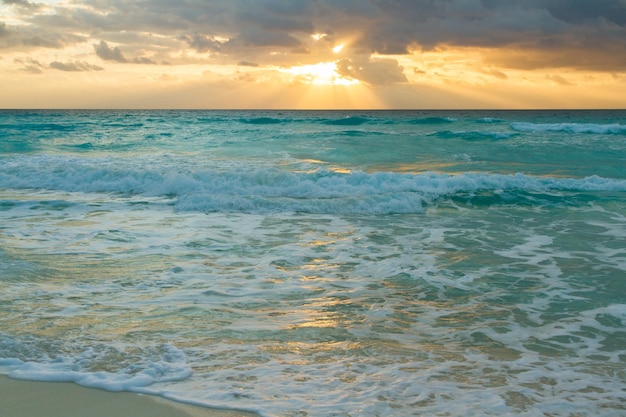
x=60 y=399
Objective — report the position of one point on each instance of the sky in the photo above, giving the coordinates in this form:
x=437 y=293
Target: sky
x=313 y=54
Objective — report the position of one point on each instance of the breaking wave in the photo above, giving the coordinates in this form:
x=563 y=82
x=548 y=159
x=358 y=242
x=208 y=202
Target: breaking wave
x=602 y=129
x=268 y=190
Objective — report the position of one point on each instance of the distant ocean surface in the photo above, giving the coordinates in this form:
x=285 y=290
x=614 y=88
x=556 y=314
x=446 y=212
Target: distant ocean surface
x=320 y=263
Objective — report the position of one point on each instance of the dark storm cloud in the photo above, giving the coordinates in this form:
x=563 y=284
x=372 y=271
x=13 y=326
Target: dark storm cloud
x=249 y=29
x=252 y=36
x=580 y=11
x=276 y=15
x=485 y=23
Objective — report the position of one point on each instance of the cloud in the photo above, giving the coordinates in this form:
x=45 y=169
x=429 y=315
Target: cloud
x=372 y=71
x=573 y=57
x=255 y=36
x=558 y=79
x=74 y=66
x=31 y=66
x=4 y=32
x=278 y=14
x=143 y=60
x=202 y=43
x=34 y=66
x=32 y=37
x=43 y=42
x=580 y=11
x=106 y=53
x=22 y=4
x=495 y=73
x=267 y=31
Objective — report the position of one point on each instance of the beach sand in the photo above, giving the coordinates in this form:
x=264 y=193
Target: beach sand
x=61 y=399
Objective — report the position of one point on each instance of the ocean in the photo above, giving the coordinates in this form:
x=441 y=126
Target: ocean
x=320 y=263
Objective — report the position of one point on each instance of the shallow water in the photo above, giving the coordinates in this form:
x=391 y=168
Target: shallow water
x=319 y=263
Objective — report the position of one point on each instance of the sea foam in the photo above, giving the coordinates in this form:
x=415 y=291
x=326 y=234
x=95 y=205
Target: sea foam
x=603 y=129
x=169 y=365
x=263 y=190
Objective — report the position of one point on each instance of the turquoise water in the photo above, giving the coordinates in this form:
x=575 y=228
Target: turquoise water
x=462 y=263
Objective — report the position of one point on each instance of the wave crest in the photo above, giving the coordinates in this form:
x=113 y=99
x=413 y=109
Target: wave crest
x=267 y=190
x=602 y=129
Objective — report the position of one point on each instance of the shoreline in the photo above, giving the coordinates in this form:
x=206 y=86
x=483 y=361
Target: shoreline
x=19 y=398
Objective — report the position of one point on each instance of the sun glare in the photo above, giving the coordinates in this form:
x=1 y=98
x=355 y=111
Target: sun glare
x=324 y=73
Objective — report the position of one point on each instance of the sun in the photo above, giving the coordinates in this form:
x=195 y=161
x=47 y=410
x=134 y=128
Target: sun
x=323 y=73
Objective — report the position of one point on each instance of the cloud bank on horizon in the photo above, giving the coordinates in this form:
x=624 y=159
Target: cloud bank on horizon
x=424 y=46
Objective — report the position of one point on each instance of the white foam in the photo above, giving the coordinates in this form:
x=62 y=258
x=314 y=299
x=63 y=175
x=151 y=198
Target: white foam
x=262 y=190
x=603 y=129
x=489 y=120
x=63 y=368
x=400 y=352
